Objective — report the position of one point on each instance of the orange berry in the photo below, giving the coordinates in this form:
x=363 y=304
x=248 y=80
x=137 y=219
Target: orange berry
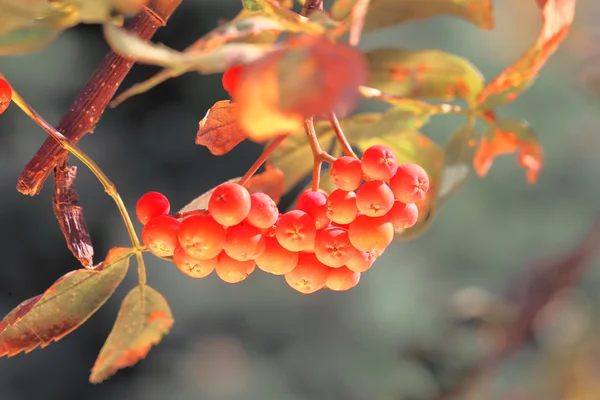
x=374 y=198
x=368 y=234
x=341 y=279
x=193 y=267
x=159 y=235
x=341 y=206
x=150 y=205
x=296 y=231
x=346 y=173
x=309 y=275
x=233 y=271
x=5 y=95
x=263 y=211
x=229 y=204
x=231 y=77
x=410 y=183
x=315 y=205
x=361 y=261
x=244 y=242
x=201 y=236
x=275 y=259
x=379 y=162
x=403 y=216
x=332 y=247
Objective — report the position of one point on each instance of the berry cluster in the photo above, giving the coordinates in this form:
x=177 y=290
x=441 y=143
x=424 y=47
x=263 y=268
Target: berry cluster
x=327 y=241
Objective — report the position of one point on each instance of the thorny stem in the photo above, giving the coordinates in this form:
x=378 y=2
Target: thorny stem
x=319 y=154
x=339 y=133
x=260 y=161
x=109 y=187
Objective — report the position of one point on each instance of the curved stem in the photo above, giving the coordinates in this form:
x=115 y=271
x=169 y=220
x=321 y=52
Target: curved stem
x=260 y=161
x=109 y=187
x=319 y=154
x=339 y=133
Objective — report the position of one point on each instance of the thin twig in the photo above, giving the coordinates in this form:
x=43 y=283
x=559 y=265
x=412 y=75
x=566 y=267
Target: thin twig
x=319 y=154
x=260 y=161
x=339 y=133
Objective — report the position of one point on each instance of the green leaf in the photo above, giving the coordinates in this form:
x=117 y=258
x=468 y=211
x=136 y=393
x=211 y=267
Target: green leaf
x=424 y=73
x=516 y=79
x=383 y=13
x=413 y=147
x=459 y=152
x=65 y=306
x=144 y=318
x=29 y=39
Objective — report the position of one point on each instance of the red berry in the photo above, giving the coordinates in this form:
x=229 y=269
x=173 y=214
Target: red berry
x=341 y=206
x=244 y=242
x=151 y=205
x=368 y=234
x=233 y=271
x=361 y=261
x=315 y=205
x=231 y=77
x=374 y=198
x=379 y=162
x=333 y=248
x=403 y=216
x=201 y=236
x=296 y=231
x=309 y=275
x=229 y=204
x=159 y=235
x=5 y=95
x=193 y=267
x=275 y=259
x=341 y=279
x=263 y=211
x=346 y=173
x=410 y=183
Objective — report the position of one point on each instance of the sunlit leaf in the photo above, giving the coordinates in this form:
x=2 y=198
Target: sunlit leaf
x=507 y=136
x=382 y=13
x=25 y=40
x=424 y=73
x=219 y=129
x=260 y=5
x=65 y=306
x=144 y=318
x=558 y=16
x=417 y=107
x=413 y=147
x=458 y=159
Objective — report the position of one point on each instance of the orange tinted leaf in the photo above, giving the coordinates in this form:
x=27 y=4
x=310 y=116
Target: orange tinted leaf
x=219 y=130
x=144 y=318
x=558 y=16
x=269 y=182
x=65 y=306
x=311 y=76
x=424 y=73
x=458 y=159
x=382 y=13
x=507 y=136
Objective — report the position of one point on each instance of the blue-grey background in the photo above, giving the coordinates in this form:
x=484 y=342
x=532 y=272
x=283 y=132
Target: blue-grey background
x=260 y=339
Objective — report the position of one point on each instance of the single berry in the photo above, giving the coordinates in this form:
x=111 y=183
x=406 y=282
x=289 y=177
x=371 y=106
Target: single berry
x=341 y=279
x=341 y=206
x=275 y=259
x=379 y=162
x=231 y=78
x=233 y=271
x=5 y=95
x=193 y=267
x=151 y=205
x=361 y=261
x=368 y=233
x=374 y=198
x=229 y=204
x=296 y=231
x=263 y=211
x=346 y=173
x=244 y=242
x=333 y=248
x=410 y=183
x=201 y=236
x=403 y=216
x=315 y=205
x=309 y=275
x=159 y=235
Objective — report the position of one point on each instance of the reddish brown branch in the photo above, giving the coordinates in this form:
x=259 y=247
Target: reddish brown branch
x=93 y=99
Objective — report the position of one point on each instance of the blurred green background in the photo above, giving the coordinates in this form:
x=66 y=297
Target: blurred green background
x=395 y=335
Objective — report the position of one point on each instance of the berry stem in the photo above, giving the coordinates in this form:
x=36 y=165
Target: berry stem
x=318 y=153
x=261 y=160
x=109 y=187
x=339 y=133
